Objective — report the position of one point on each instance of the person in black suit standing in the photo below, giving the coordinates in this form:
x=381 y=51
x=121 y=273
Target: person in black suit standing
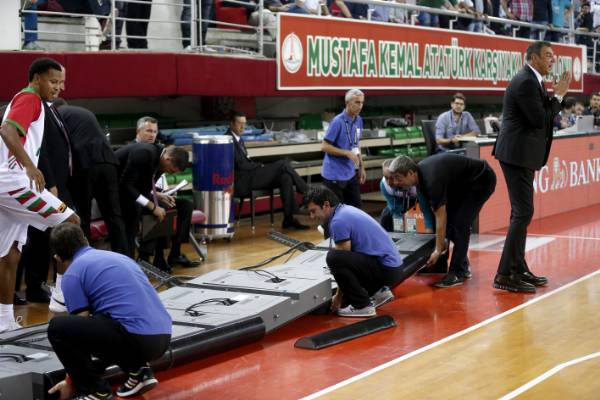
x=522 y=147
x=140 y=165
x=250 y=175
x=94 y=173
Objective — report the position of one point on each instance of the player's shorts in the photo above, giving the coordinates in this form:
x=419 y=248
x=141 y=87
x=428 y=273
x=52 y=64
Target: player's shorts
x=22 y=207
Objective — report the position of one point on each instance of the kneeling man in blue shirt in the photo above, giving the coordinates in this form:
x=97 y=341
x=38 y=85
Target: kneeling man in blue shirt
x=115 y=316
x=364 y=262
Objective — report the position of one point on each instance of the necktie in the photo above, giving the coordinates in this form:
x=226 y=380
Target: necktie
x=58 y=119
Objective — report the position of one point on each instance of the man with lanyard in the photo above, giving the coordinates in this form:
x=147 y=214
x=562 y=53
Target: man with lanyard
x=365 y=263
x=23 y=199
x=452 y=125
x=455 y=187
x=343 y=170
x=399 y=201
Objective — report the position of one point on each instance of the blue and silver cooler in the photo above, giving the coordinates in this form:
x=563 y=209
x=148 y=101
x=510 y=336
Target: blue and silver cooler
x=213 y=184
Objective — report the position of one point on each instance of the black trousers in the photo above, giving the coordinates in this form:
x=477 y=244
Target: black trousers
x=460 y=217
x=35 y=261
x=131 y=219
x=184 y=221
x=280 y=174
x=138 y=28
x=359 y=275
x=102 y=183
x=348 y=192
x=76 y=339
x=519 y=181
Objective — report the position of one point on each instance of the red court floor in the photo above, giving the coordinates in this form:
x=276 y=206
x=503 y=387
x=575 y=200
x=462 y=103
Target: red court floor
x=274 y=369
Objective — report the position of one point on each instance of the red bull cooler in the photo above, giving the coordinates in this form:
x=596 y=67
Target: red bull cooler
x=213 y=184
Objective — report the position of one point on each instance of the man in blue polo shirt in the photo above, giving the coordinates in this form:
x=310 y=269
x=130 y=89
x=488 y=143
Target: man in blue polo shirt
x=115 y=316
x=343 y=170
x=365 y=263
x=455 y=123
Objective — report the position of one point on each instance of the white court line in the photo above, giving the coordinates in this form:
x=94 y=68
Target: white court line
x=547 y=375
x=552 y=236
x=446 y=339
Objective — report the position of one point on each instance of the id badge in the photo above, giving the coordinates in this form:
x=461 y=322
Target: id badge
x=356 y=150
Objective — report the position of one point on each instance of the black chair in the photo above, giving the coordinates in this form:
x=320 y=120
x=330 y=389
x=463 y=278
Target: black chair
x=252 y=197
x=428 y=126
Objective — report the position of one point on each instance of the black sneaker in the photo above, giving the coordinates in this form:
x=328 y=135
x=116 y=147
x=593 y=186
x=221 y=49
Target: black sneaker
x=95 y=396
x=451 y=279
x=138 y=383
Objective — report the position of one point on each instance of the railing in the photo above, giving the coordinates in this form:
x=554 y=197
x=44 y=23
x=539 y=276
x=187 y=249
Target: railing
x=196 y=32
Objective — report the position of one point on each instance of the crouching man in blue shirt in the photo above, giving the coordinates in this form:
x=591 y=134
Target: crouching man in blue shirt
x=364 y=262
x=115 y=316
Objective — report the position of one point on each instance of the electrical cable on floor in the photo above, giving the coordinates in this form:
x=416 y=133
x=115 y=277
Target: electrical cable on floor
x=192 y=312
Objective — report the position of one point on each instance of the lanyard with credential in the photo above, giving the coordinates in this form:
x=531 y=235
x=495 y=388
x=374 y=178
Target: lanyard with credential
x=349 y=135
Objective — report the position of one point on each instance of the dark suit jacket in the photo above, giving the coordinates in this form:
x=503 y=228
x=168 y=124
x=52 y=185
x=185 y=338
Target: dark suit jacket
x=244 y=168
x=88 y=140
x=526 y=133
x=138 y=165
x=54 y=155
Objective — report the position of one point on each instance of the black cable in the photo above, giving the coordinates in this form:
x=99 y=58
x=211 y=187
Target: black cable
x=23 y=335
x=14 y=356
x=307 y=245
x=192 y=312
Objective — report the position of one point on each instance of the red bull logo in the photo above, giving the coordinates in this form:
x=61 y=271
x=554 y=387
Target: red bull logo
x=218 y=179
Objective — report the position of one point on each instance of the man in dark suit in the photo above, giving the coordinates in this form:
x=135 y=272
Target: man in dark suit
x=250 y=175
x=140 y=165
x=94 y=173
x=146 y=132
x=522 y=147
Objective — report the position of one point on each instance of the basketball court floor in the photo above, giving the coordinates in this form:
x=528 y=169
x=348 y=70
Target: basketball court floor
x=466 y=342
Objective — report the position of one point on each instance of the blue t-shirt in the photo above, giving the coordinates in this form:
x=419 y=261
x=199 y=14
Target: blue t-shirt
x=400 y=200
x=558 y=12
x=365 y=234
x=343 y=133
x=103 y=282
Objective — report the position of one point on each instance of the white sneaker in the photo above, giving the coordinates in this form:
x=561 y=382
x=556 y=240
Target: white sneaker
x=350 y=311
x=33 y=46
x=11 y=325
x=57 y=301
x=382 y=296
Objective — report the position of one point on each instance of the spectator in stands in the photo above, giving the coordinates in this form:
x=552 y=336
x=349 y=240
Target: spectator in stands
x=392 y=14
x=579 y=108
x=594 y=108
x=455 y=187
x=561 y=13
x=139 y=29
x=566 y=117
x=475 y=8
x=365 y=263
x=270 y=7
x=116 y=317
x=310 y=7
x=452 y=125
x=519 y=10
x=432 y=19
x=399 y=201
x=250 y=175
x=343 y=169
x=186 y=21
x=30 y=23
x=100 y=8
x=542 y=15
x=146 y=131
x=95 y=173
x=120 y=12
x=140 y=165
x=350 y=10
x=585 y=23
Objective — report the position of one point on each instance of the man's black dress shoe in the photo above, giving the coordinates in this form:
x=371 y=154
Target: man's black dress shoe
x=532 y=279
x=162 y=264
x=18 y=300
x=183 y=261
x=38 y=297
x=293 y=223
x=513 y=284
